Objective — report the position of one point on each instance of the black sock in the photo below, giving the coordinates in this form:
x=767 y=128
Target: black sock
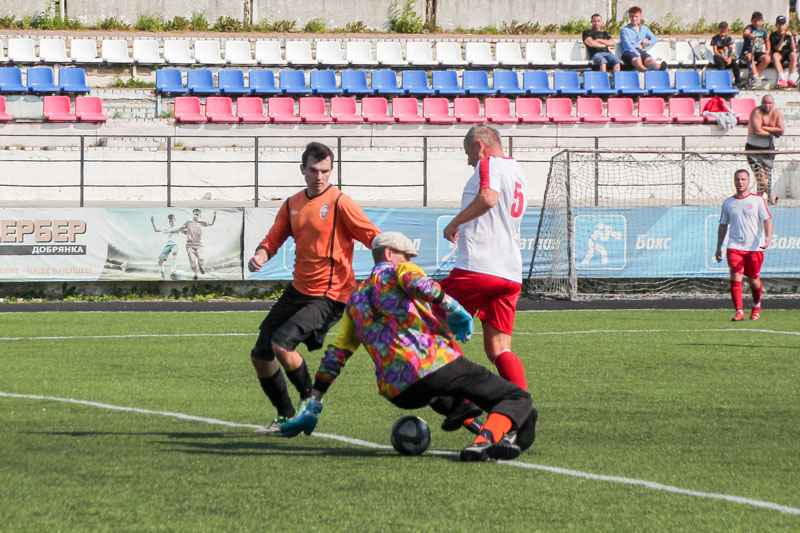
x=301 y=380
x=275 y=389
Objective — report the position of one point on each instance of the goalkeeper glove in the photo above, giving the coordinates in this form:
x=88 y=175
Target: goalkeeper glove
x=458 y=319
x=305 y=421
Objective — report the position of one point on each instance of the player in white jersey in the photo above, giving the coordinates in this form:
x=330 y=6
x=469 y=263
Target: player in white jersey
x=170 y=249
x=750 y=233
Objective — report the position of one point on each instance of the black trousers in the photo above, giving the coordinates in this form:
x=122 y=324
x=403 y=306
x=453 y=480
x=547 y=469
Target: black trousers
x=464 y=379
x=720 y=64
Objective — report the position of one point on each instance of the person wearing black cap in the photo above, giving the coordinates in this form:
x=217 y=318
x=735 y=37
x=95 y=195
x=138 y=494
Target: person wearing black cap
x=784 y=52
x=756 y=50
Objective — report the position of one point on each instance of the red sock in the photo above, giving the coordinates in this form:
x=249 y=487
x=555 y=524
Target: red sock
x=736 y=294
x=510 y=367
x=756 y=295
x=498 y=424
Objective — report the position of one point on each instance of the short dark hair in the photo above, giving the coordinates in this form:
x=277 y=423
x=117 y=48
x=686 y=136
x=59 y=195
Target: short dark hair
x=196 y=211
x=756 y=16
x=377 y=254
x=170 y=216
x=634 y=10
x=722 y=25
x=317 y=152
x=596 y=15
x=739 y=171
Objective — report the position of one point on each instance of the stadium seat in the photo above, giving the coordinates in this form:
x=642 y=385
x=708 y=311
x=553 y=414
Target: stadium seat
x=11 y=80
x=688 y=82
x=509 y=54
x=628 y=84
x=437 y=111
x=281 y=109
x=468 y=110
x=269 y=53
x=415 y=82
x=89 y=109
x=56 y=109
x=293 y=82
x=390 y=54
x=537 y=83
x=560 y=110
x=480 y=55
x=651 y=109
x=84 y=51
x=506 y=82
x=145 y=52
x=701 y=105
x=343 y=109
x=597 y=83
x=406 y=110
x=718 y=82
x=538 y=55
x=571 y=54
x=384 y=83
x=662 y=52
x=312 y=110
x=238 y=53
x=742 y=107
x=448 y=54
x=657 y=83
x=419 y=54
x=359 y=53
x=262 y=83
x=682 y=109
x=201 y=81
x=529 y=110
x=498 y=110
x=445 y=82
x=41 y=80
x=5 y=117
x=476 y=82
x=53 y=51
x=21 y=50
x=170 y=81
x=693 y=55
x=176 y=52
x=187 y=109
x=621 y=110
x=3 y=57
x=207 y=52
x=115 y=51
x=324 y=82
x=73 y=80
x=566 y=82
x=298 y=53
x=329 y=53
x=251 y=109
x=375 y=109
x=231 y=82
x=590 y=109
x=355 y=82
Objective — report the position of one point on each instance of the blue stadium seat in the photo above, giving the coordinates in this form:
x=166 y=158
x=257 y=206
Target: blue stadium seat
x=537 y=82
x=355 y=82
x=718 y=82
x=415 y=82
x=324 y=82
x=477 y=82
x=506 y=82
x=169 y=81
x=688 y=82
x=200 y=81
x=627 y=83
x=657 y=83
x=73 y=80
x=232 y=82
x=293 y=82
x=384 y=83
x=40 y=80
x=566 y=82
x=262 y=83
x=445 y=82
x=597 y=83
x=11 y=80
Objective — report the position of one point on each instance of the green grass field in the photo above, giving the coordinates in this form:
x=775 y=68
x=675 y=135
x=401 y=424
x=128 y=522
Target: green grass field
x=671 y=401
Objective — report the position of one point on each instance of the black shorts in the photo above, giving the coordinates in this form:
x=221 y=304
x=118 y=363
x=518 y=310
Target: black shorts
x=760 y=162
x=296 y=318
x=758 y=55
x=628 y=57
x=785 y=53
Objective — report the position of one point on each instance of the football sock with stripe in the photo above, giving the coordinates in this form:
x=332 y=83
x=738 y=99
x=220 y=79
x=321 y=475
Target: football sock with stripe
x=301 y=380
x=274 y=387
x=510 y=368
x=756 y=292
x=736 y=294
x=495 y=427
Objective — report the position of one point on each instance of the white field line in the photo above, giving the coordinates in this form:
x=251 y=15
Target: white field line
x=358 y=442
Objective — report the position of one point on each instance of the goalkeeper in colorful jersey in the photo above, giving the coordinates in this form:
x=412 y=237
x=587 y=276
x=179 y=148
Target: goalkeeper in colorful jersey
x=417 y=362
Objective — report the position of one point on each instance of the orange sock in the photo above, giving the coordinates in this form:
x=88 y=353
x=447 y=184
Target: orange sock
x=497 y=424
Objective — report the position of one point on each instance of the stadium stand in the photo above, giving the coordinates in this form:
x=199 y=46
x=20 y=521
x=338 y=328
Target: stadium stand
x=57 y=109
x=560 y=110
x=115 y=51
x=323 y=82
x=537 y=83
x=41 y=80
x=682 y=109
x=238 y=53
x=688 y=82
x=570 y=54
x=298 y=53
x=436 y=110
x=509 y=55
x=445 y=82
x=176 y=52
x=207 y=52
x=480 y=55
x=89 y=109
x=262 y=82
x=188 y=109
x=22 y=50
x=359 y=53
x=231 y=82
x=170 y=81
x=251 y=109
x=693 y=55
x=539 y=55
x=652 y=109
x=201 y=81
x=220 y=109
x=742 y=107
x=329 y=53
x=344 y=110
x=389 y=53
x=415 y=82
x=11 y=80
x=476 y=82
x=53 y=51
x=719 y=82
x=590 y=109
x=281 y=109
x=312 y=110
x=506 y=82
x=529 y=110
x=375 y=109
x=355 y=82
x=627 y=82
x=84 y=51
x=498 y=110
x=468 y=110
x=293 y=82
x=145 y=52
x=657 y=83
x=73 y=80
x=597 y=83
x=419 y=54
x=269 y=53
x=384 y=83
x=406 y=110
x=5 y=117
x=566 y=82
x=621 y=110
x=449 y=54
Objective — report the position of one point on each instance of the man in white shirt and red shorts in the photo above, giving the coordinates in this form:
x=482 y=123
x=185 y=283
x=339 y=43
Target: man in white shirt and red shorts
x=750 y=223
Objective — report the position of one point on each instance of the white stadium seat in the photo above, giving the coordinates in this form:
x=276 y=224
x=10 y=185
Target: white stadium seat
x=238 y=53
x=330 y=53
x=145 y=52
x=207 y=52
x=509 y=54
x=53 y=51
x=21 y=50
x=538 y=54
x=269 y=53
x=359 y=53
x=480 y=55
x=115 y=51
x=570 y=54
x=690 y=54
x=662 y=52
x=449 y=53
x=419 y=53
x=84 y=51
x=389 y=53
x=299 y=53
x=176 y=52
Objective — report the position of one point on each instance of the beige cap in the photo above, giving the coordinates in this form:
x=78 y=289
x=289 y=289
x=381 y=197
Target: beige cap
x=396 y=241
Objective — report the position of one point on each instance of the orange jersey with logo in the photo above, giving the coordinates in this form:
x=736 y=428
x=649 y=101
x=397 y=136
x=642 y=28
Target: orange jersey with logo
x=324 y=228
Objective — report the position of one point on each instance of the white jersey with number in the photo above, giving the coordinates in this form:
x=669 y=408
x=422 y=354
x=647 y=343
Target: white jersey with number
x=746 y=218
x=489 y=244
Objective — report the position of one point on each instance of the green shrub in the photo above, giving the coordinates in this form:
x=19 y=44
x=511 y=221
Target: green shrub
x=519 y=28
x=7 y=21
x=199 y=22
x=112 y=23
x=131 y=83
x=148 y=22
x=405 y=20
x=227 y=24
x=576 y=26
x=315 y=26
x=355 y=27
x=178 y=23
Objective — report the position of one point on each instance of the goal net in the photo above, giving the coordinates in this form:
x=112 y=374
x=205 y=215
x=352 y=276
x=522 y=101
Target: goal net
x=644 y=222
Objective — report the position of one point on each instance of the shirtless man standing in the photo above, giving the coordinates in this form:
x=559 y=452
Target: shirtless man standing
x=765 y=124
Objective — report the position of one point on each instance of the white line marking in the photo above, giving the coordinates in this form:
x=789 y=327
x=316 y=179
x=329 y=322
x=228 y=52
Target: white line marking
x=357 y=442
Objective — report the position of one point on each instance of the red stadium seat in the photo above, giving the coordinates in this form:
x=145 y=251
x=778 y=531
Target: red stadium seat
x=701 y=105
x=220 y=109
x=406 y=110
x=468 y=110
x=343 y=109
x=251 y=109
x=187 y=109
x=651 y=109
x=591 y=110
x=743 y=107
x=437 y=111
x=3 y=115
x=621 y=110
x=529 y=110
x=499 y=110
x=375 y=109
x=281 y=109
x=682 y=109
x=312 y=109
x=89 y=109
x=56 y=109
x=560 y=110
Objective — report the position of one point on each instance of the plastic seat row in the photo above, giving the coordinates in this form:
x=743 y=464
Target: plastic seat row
x=87 y=109
x=41 y=80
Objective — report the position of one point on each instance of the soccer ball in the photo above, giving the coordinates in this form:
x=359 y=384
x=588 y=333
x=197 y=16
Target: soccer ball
x=411 y=435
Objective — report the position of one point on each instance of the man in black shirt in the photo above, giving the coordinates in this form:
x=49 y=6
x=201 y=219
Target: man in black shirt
x=724 y=58
x=597 y=42
x=784 y=52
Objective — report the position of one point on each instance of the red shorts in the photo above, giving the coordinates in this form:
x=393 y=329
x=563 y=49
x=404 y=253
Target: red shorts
x=494 y=298
x=748 y=262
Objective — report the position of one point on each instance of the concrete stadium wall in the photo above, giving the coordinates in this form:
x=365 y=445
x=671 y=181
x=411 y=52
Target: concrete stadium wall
x=374 y=14
x=690 y=11
x=451 y=14
x=20 y=9
x=93 y=11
